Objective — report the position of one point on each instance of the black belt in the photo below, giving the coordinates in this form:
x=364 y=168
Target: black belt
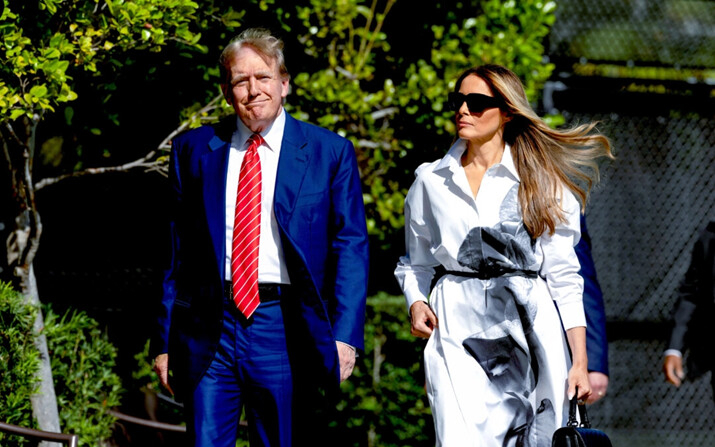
x=266 y=291
x=492 y=274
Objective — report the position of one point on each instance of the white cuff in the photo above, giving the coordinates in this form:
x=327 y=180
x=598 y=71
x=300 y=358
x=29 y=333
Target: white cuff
x=349 y=346
x=674 y=352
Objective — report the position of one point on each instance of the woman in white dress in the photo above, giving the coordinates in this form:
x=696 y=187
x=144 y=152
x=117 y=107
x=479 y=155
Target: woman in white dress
x=499 y=215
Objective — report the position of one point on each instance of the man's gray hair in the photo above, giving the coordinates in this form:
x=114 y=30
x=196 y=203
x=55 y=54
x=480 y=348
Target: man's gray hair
x=262 y=41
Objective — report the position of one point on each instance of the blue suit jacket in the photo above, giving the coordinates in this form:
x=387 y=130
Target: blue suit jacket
x=319 y=209
x=596 y=342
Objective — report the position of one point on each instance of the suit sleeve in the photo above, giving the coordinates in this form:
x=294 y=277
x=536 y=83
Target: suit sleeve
x=689 y=294
x=160 y=341
x=348 y=251
x=596 y=342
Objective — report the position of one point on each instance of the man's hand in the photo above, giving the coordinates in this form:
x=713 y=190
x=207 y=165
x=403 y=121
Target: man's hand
x=423 y=320
x=161 y=366
x=599 y=385
x=346 y=354
x=673 y=369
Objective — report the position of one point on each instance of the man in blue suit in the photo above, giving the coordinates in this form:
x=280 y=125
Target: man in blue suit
x=312 y=261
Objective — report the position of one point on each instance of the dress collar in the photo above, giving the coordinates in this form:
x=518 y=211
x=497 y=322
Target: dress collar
x=452 y=160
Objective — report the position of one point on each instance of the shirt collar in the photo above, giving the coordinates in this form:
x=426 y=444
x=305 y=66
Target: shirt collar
x=452 y=160
x=507 y=161
x=272 y=135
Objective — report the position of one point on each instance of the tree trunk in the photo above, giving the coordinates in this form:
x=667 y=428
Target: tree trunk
x=44 y=403
x=22 y=244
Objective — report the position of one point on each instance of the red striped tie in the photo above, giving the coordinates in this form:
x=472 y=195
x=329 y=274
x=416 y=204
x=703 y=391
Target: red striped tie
x=247 y=231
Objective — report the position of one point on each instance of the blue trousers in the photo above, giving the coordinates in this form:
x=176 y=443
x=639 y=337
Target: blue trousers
x=251 y=370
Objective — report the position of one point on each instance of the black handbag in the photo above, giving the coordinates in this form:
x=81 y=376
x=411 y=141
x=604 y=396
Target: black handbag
x=579 y=435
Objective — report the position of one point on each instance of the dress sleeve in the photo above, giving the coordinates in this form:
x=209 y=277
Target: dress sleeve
x=415 y=269
x=560 y=266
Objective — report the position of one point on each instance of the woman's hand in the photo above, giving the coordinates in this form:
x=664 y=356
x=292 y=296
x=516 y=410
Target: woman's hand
x=578 y=374
x=423 y=320
x=578 y=377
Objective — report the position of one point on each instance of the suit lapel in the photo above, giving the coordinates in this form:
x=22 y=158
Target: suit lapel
x=214 y=164
x=292 y=168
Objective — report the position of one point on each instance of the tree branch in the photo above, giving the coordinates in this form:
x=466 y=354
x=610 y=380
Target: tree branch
x=6 y=148
x=142 y=162
x=149 y=161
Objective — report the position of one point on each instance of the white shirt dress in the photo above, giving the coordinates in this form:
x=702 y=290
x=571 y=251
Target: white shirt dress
x=496 y=366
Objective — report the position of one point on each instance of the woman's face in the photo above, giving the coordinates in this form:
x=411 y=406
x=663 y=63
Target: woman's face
x=479 y=127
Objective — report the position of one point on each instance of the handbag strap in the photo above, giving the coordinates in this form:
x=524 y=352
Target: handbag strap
x=573 y=422
x=585 y=422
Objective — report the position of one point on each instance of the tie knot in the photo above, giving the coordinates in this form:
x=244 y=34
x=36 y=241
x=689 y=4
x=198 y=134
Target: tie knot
x=254 y=141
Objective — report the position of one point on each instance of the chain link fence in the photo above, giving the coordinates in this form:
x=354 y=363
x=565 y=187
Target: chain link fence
x=644 y=219
x=672 y=33
x=653 y=200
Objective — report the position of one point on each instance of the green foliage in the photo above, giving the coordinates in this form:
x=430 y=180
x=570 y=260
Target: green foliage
x=82 y=361
x=144 y=375
x=478 y=32
x=44 y=42
x=86 y=385
x=19 y=360
x=389 y=104
x=342 y=40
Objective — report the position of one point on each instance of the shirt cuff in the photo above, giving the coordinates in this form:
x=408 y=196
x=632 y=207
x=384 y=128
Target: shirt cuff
x=572 y=314
x=349 y=346
x=674 y=352
x=410 y=301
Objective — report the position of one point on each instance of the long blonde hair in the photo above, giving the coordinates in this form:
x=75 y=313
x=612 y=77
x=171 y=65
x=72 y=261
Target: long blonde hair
x=546 y=159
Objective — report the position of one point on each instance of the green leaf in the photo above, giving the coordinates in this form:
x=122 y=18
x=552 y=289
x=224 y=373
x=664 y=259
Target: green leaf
x=16 y=113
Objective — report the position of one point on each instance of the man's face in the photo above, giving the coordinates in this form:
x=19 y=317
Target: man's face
x=255 y=89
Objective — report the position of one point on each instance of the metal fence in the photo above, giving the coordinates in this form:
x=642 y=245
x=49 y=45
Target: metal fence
x=653 y=200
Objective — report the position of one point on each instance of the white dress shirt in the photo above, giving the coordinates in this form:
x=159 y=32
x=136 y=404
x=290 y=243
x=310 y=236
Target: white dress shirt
x=271 y=265
x=440 y=210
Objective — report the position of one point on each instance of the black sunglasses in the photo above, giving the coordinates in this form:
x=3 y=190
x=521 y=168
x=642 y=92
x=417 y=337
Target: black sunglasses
x=476 y=102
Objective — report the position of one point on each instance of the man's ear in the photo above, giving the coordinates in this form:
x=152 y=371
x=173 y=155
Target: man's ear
x=227 y=94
